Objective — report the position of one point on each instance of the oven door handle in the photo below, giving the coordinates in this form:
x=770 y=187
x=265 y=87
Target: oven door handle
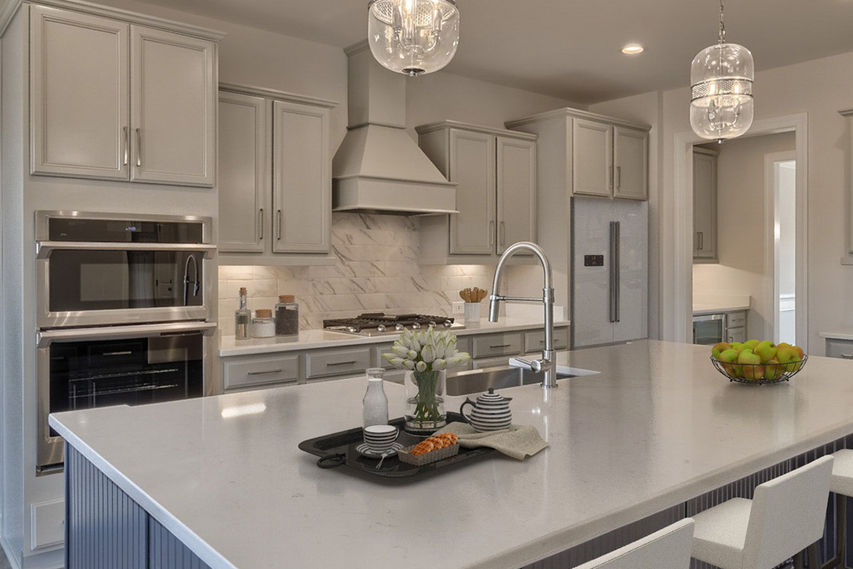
x=45 y=338
x=45 y=248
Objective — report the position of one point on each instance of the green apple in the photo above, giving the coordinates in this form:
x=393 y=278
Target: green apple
x=719 y=349
x=751 y=364
x=766 y=350
x=772 y=369
x=787 y=354
x=751 y=344
x=737 y=346
x=730 y=357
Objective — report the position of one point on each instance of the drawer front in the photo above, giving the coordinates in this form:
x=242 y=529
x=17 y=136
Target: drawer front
x=839 y=348
x=736 y=319
x=325 y=363
x=535 y=341
x=737 y=334
x=392 y=374
x=250 y=371
x=491 y=345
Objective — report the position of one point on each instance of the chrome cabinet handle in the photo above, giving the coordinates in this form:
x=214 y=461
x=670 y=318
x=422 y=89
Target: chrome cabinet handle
x=138 y=148
x=278 y=225
x=611 y=176
x=261 y=224
x=500 y=346
x=618 y=177
x=701 y=241
x=847 y=356
x=503 y=233
x=332 y=364
x=126 y=139
x=122 y=353
x=265 y=372
x=492 y=232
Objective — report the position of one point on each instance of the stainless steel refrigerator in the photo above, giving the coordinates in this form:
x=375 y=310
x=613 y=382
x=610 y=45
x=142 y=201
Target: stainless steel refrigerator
x=609 y=271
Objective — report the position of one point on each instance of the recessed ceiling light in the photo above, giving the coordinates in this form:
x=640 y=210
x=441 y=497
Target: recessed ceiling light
x=632 y=49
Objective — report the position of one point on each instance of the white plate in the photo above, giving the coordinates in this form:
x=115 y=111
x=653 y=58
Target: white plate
x=364 y=450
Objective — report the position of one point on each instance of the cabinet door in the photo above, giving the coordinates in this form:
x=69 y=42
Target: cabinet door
x=244 y=173
x=516 y=191
x=79 y=95
x=592 y=146
x=302 y=185
x=472 y=168
x=631 y=163
x=173 y=108
x=704 y=206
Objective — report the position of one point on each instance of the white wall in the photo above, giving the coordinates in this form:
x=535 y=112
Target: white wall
x=742 y=229
x=818 y=88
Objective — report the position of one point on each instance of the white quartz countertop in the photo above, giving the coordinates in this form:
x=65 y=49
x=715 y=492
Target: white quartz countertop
x=656 y=427
x=311 y=339
x=703 y=308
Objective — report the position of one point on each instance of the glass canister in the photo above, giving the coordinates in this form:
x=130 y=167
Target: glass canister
x=286 y=316
x=263 y=325
x=375 y=401
x=242 y=318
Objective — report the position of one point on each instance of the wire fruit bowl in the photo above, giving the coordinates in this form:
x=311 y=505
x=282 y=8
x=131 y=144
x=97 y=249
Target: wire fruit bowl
x=745 y=373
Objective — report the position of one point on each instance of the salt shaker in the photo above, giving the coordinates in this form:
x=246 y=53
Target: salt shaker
x=375 y=401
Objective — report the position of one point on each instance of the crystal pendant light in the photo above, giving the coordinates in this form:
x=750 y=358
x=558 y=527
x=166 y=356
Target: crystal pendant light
x=413 y=36
x=721 y=105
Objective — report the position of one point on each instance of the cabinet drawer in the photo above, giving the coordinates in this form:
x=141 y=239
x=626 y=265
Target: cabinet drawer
x=325 y=363
x=490 y=345
x=736 y=334
x=839 y=348
x=535 y=341
x=259 y=370
x=490 y=362
x=736 y=319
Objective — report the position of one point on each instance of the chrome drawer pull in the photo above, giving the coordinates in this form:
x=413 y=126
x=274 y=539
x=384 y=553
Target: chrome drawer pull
x=847 y=356
x=501 y=346
x=124 y=353
x=330 y=364
x=265 y=372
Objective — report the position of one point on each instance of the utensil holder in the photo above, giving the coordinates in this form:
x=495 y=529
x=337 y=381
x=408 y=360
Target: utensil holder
x=472 y=314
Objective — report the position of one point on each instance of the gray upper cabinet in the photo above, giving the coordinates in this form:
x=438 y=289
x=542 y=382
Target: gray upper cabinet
x=704 y=205
x=630 y=163
x=114 y=100
x=244 y=180
x=592 y=156
x=302 y=180
x=609 y=160
x=275 y=178
x=73 y=95
x=495 y=175
x=173 y=108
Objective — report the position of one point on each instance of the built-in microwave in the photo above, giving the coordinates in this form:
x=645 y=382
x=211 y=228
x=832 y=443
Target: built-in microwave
x=98 y=269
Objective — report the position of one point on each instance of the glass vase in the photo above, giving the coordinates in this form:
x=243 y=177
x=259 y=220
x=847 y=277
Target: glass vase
x=425 y=401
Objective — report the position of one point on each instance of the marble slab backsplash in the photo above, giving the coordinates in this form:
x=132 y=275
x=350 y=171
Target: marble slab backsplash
x=376 y=269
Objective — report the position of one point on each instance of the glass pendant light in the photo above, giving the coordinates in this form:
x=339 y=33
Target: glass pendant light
x=413 y=36
x=721 y=105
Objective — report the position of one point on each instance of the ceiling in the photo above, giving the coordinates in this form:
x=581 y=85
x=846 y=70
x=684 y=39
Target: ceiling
x=571 y=49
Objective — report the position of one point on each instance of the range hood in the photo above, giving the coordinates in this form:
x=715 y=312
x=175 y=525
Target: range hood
x=378 y=167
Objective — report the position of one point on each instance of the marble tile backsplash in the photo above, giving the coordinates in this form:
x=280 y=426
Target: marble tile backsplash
x=376 y=269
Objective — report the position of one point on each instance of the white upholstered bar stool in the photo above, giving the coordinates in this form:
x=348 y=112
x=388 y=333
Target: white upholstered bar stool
x=784 y=517
x=668 y=548
x=842 y=485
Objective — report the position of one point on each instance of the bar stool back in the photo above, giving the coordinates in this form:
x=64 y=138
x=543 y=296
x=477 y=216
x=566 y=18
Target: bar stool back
x=785 y=516
x=668 y=548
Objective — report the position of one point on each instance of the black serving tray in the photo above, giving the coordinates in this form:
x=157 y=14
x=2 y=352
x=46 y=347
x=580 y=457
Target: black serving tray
x=338 y=450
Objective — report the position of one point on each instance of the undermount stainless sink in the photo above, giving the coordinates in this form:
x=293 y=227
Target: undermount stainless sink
x=477 y=380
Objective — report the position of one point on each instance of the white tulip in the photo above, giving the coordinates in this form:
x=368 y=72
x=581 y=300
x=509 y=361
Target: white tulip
x=408 y=364
x=401 y=351
x=439 y=364
x=428 y=353
x=440 y=348
x=421 y=366
x=411 y=354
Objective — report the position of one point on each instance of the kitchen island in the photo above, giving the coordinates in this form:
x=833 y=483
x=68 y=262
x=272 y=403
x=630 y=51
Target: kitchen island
x=657 y=427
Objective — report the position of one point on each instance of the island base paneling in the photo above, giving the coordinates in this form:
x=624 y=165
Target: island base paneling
x=742 y=488
x=106 y=529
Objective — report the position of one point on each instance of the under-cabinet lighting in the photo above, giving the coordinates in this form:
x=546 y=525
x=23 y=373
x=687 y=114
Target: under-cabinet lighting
x=633 y=49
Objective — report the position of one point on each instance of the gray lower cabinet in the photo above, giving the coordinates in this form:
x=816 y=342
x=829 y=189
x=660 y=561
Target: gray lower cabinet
x=253 y=371
x=837 y=348
x=106 y=529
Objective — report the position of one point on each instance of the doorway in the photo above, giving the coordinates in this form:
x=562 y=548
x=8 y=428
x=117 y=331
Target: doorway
x=781 y=188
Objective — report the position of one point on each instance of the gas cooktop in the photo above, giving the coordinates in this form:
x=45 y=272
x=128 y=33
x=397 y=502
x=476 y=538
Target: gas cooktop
x=381 y=324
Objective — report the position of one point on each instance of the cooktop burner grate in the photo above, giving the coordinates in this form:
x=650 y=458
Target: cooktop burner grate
x=376 y=323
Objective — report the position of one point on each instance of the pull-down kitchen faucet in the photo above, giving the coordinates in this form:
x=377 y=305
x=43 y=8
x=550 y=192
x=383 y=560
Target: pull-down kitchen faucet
x=546 y=363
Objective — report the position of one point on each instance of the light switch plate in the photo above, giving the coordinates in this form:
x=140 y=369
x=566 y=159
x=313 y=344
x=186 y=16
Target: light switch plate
x=458 y=307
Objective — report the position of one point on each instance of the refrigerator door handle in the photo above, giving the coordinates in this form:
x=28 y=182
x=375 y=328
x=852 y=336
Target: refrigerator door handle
x=611 y=273
x=618 y=269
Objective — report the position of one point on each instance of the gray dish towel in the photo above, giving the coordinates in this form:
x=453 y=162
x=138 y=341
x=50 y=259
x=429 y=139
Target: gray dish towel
x=518 y=441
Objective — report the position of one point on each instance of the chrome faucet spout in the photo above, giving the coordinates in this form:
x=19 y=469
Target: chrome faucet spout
x=546 y=363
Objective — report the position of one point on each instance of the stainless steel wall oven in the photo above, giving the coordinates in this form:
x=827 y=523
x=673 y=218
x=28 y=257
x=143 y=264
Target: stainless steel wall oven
x=123 y=314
